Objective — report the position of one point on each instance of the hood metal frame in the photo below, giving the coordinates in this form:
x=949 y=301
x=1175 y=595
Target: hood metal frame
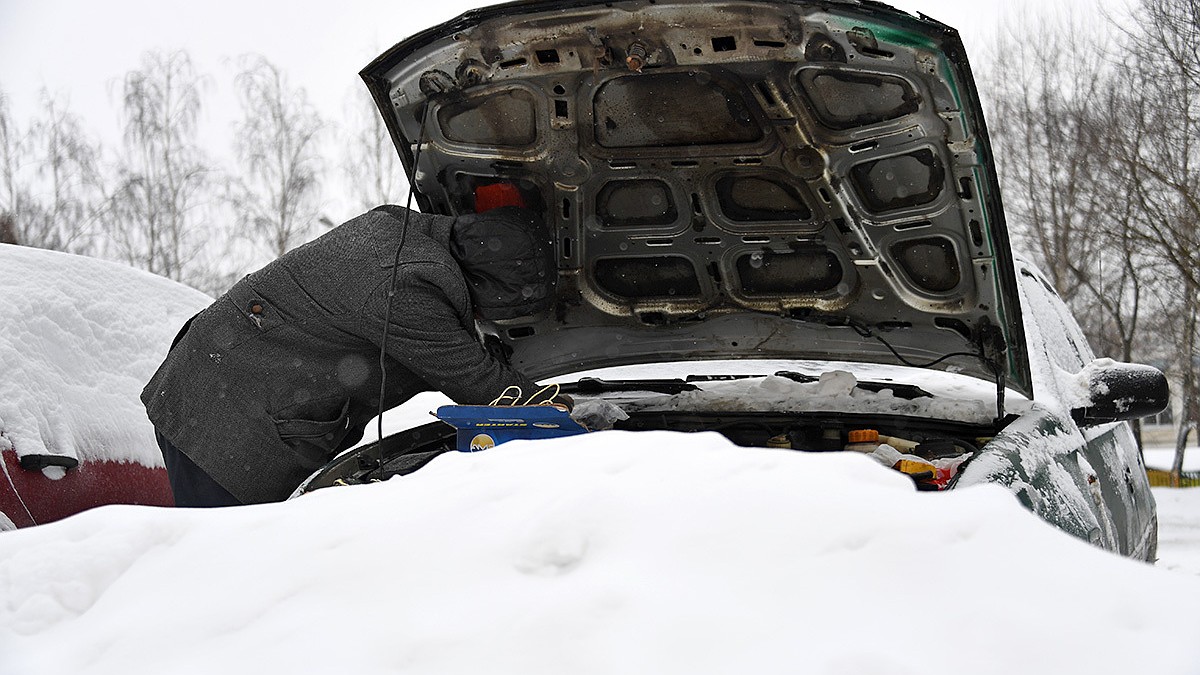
x=864 y=119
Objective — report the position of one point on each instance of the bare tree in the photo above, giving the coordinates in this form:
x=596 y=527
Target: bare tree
x=163 y=176
x=1124 y=271
x=1044 y=79
x=1060 y=123
x=278 y=195
x=10 y=150
x=51 y=179
x=370 y=164
x=1161 y=152
x=1053 y=102
x=67 y=164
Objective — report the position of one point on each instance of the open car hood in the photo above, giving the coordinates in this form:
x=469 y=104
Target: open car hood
x=741 y=179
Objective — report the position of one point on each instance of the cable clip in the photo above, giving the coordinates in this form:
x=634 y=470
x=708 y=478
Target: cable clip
x=539 y=397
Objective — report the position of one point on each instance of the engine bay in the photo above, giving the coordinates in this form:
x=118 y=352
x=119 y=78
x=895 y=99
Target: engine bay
x=930 y=452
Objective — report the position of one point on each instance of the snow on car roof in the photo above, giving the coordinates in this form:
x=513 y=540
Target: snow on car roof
x=79 y=338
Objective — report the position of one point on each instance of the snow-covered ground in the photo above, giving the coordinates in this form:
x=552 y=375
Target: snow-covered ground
x=1178 y=529
x=1163 y=456
x=615 y=552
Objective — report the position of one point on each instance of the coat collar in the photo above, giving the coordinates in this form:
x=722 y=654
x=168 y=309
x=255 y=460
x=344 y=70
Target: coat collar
x=421 y=226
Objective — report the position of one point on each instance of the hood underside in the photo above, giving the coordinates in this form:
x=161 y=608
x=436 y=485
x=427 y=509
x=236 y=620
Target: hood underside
x=744 y=179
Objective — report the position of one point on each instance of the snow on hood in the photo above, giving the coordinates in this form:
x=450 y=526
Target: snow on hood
x=835 y=391
x=614 y=552
x=79 y=338
x=951 y=397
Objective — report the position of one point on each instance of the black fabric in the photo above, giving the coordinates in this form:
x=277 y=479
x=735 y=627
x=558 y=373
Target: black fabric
x=190 y=484
x=507 y=258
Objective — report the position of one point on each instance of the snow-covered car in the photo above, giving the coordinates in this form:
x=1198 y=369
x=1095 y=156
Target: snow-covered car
x=779 y=221
x=79 y=338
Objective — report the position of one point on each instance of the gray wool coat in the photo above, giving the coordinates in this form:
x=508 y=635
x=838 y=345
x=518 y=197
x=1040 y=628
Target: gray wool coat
x=269 y=382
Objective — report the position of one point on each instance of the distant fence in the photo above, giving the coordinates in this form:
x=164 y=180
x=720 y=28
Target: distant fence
x=1165 y=435
x=1161 y=478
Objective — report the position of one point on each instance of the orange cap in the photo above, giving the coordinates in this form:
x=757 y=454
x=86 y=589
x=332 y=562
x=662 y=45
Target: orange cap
x=495 y=195
x=864 y=436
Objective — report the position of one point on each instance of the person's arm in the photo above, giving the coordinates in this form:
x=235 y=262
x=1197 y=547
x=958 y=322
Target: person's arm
x=428 y=337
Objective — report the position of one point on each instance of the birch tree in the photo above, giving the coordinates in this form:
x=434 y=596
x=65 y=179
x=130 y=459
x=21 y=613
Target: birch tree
x=51 y=179
x=278 y=196
x=1054 y=111
x=370 y=164
x=163 y=177
x=1160 y=151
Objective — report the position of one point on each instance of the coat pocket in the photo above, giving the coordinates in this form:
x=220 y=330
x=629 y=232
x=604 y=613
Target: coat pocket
x=314 y=440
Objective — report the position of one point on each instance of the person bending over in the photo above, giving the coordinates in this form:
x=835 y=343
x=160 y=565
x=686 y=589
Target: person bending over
x=282 y=372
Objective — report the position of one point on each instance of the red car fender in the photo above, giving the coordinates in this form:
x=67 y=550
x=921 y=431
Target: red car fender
x=31 y=498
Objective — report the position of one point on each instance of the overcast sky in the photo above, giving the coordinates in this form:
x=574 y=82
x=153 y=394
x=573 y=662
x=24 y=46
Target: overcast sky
x=79 y=49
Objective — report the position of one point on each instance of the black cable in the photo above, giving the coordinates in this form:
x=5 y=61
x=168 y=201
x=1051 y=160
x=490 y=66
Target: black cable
x=996 y=368
x=866 y=332
x=387 y=312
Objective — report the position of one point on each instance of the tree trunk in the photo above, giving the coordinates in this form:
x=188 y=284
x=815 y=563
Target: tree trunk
x=1185 y=427
x=8 y=230
x=1191 y=398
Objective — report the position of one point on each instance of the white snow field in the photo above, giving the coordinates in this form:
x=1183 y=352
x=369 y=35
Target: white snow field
x=1179 y=529
x=613 y=552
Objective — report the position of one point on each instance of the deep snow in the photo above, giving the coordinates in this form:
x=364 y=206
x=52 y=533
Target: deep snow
x=616 y=552
x=1178 y=529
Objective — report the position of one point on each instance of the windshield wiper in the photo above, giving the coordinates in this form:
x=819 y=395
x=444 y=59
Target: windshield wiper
x=593 y=385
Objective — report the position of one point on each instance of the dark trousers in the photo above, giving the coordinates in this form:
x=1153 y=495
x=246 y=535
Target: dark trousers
x=191 y=485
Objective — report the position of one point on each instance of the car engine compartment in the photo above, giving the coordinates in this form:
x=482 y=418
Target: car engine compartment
x=931 y=452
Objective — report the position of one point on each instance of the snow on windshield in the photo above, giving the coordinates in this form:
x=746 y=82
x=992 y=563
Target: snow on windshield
x=951 y=396
x=834 y=391
x=613 y=552
x=79 y=338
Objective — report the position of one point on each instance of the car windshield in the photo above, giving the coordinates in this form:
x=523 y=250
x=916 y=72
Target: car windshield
x=789 y=387
x=761 y=386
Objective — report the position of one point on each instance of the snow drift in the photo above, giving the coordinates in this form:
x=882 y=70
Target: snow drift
x=79 y=338
x=614 y=552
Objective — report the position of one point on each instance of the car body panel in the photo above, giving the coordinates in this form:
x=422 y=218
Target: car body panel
x=731 y=196
x=1085 y=487
x=1091 y=481
x=38 y=498
x=13 y=512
